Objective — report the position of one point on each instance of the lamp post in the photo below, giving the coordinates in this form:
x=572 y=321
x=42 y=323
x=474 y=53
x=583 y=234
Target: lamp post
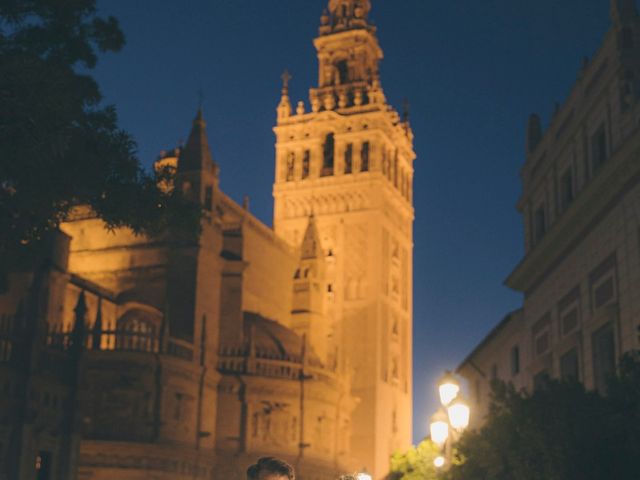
x=450 y=420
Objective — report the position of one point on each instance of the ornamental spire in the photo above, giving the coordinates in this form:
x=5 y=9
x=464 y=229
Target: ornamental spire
x=196 y=155
x=284 y=107
x=311 y=248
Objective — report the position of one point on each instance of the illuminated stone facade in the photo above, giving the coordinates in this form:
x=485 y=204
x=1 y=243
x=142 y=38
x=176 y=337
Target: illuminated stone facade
x=580 y=208
x=349 y=162
x=129 y=357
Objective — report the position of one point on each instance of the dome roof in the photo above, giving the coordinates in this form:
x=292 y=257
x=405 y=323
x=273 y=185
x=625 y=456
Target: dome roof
x=272 y=339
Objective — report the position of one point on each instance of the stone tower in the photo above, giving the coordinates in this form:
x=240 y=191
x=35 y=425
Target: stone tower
x=348 y=163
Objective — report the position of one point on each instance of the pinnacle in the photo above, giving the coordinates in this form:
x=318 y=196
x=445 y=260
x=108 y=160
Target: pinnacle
x=311 y=242
x=196 y=155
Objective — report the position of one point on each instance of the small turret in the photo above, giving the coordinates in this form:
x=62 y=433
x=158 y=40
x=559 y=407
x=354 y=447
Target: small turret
x=198 y=174
x=310 y=249
x=196 y=154
x=284 y=107
x=309 y=291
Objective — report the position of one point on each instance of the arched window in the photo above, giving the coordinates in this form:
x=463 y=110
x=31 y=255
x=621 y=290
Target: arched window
x=348 y=159
x=343 y=71
x=306 y=160
x=364 y=157
x=291 y=162
x=137 y=331
x=328 y=154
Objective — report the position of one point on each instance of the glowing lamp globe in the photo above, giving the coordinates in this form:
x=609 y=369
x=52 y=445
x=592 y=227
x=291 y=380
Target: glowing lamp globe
x=439 y=428
x=459 y=414
x=439 y=461
x=448 y=388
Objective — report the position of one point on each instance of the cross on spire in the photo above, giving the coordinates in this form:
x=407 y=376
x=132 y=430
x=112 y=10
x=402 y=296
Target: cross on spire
x=286 y=78
x=200 y=98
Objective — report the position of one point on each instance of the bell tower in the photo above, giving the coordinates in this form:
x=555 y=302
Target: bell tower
x=346 y=161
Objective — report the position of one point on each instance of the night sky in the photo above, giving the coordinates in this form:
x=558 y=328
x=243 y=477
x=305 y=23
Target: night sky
x=472 y=71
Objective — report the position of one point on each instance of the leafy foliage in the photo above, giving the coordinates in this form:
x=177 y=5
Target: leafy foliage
x=560 y=432
x=59 y=146
x=416 y=463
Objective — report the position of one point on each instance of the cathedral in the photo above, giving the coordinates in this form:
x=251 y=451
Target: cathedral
x=131 y=357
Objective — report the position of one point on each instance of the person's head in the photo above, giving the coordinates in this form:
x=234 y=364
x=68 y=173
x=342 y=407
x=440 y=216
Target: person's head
x=270 y=468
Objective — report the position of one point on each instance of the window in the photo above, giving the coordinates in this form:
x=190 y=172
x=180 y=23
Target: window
x=138 y=332
x=603 y=293
x=395 y=329
x=291 y=162
x=364 y=157
x=569 y=312
x=604 y=356
x=343 y=71
x=569 y=369
x=602 y=282
x=541 y=333
x=348 y=159
x=43 y=465
x=540 y=224
x=395 y=372
x=515 y=360
x=306 y=160
x=569 y=321
x=598 y=148
x=566 y=190
x=328 y=153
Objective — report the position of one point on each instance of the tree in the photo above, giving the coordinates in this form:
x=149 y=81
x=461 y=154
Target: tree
x=416 y=463
x=559 y=432
x=59 y=146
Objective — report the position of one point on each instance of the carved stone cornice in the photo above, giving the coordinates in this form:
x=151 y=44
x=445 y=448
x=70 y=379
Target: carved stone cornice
x=607 y=188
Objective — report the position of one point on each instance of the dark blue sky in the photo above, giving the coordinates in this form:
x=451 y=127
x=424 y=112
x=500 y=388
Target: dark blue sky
x=472 y=70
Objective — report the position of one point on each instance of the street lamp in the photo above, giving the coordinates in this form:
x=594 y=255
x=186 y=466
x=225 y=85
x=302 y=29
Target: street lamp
x=447 y=425
x=439 y=428
x=459 y=414
x=439 y=461
x=448 y=388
